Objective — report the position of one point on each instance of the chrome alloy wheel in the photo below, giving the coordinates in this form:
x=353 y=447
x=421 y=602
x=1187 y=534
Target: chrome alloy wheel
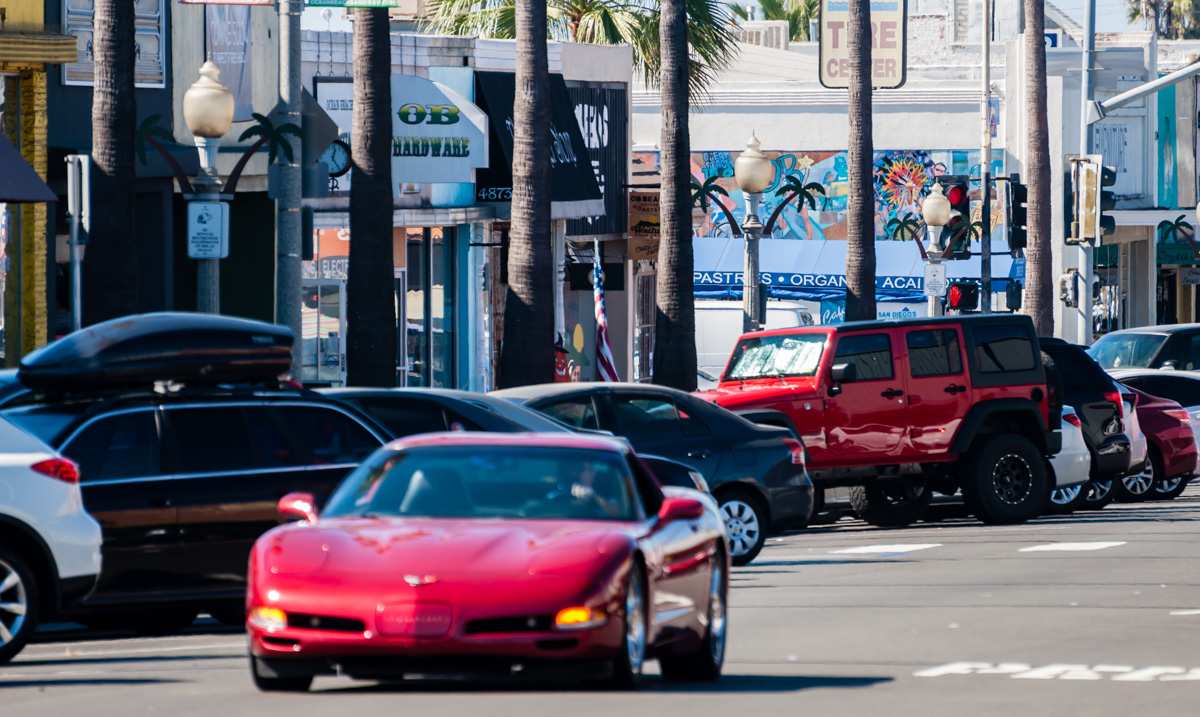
x=1098 y=491
x=1167 y=485
x=14 y=603
x=716 y=612
x=1012 y=479
x=741 y=523
x=635 y=623
x=1065 y=496
x=1140 y=484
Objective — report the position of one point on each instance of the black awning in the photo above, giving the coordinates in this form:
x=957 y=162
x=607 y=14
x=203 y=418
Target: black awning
x=571 y=175
x=18 y=181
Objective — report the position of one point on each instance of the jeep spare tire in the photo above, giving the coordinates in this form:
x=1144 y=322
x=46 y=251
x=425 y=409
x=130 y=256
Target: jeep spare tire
x=1006 y=481
x=892 y=503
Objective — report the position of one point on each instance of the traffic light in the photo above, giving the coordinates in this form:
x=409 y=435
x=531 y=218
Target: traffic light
x=1012 y=295
x=1018 y=217
x=1108 y=201
x=1088 y=201
x=962 y=295
x=956 y=235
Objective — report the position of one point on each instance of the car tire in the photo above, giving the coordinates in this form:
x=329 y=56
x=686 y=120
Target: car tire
x=1139 y=486
x=1065 y=500
x=705 y=663
x=635 y=632
x=1170 y=488
x=895 y=503
x=1096 y=495
x=265 y=681
x=20 y=597
x=1006 y=480
x=746 y=521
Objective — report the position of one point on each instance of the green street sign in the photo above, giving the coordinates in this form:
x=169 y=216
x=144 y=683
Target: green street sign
x=352 y=3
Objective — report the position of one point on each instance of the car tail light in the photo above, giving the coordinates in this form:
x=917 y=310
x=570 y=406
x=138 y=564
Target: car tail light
x=1073 y=419
x=1114 y=397
x=1178 y=414
x=60 y=468
x=796 y=448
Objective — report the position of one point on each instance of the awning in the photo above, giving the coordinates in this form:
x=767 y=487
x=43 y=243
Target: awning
x=38 y=47
x=18 y=181
x=816 y=270
x=572 y=180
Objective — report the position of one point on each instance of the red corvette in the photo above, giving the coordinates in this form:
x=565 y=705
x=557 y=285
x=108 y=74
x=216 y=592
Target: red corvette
x=466 y=553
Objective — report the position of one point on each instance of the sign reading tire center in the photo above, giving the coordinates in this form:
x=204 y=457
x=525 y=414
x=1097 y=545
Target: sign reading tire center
x=889 y=43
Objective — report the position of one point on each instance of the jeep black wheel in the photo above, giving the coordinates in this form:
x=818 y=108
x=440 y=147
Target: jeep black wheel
x=1006 y=480
x=893 y=503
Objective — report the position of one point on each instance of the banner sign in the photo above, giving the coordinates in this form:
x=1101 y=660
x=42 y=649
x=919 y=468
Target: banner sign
x=643 y=225
x=229 y=42
x=889 y=43
x=351 y=3
x=437 y=134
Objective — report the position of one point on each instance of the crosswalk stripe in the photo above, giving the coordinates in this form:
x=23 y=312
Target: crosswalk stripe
x=886 y=549
x=1071 y=547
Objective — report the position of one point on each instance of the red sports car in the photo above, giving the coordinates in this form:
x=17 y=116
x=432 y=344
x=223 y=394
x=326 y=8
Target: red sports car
x=465 y=553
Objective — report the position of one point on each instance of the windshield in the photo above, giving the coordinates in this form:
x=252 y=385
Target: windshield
x=1126 y=350
x=490 y=482
x=764 y=356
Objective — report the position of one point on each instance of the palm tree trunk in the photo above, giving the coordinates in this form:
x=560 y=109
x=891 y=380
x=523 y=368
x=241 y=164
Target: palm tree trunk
x=860 y=247
x=527 y=354
x=1039 y=272
x=675 y=318
x=110 y=281
x=370 y=288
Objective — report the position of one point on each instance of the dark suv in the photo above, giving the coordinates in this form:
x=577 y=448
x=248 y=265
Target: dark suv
x=1172 y=346
x=897 y=409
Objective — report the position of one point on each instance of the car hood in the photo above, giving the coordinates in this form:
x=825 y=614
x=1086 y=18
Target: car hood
x=737 y=394
x=460 y=551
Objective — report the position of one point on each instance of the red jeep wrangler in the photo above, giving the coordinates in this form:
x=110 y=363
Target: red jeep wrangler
x=898 y=409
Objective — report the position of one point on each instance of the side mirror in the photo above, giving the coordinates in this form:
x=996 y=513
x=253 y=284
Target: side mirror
x=297 y=506
x=839 y=374
x=680 y=509
x=1170 y=365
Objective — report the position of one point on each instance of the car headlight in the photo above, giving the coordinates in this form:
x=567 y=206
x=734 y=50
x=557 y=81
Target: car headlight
x=271 y=619
x=579 y=618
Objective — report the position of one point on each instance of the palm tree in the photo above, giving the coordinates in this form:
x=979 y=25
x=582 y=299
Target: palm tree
x=152 y=133
x=907 y=227
x=111 y=271
x=675 y=318
x=370 y=286
x=1171 y=19
x=1039 y=289
x=527 y=354
x=1179 y=231
x=708 y=191
x=797 y=13
x=860 y=238
x=265 y=132
x=794 y=188
x=712 y=29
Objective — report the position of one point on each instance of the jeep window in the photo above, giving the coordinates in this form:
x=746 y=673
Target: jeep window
x=871 y=355
x=1126 y=350
x=764 y=356
x=934 y=353
x=1004 y=349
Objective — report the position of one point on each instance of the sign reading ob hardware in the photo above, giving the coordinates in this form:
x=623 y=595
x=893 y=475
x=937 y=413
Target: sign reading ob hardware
x=889 y=43
x=437 y=134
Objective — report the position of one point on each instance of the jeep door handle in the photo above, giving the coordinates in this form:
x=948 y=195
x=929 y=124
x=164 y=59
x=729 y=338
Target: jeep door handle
x=891 y=393
x=956 y=388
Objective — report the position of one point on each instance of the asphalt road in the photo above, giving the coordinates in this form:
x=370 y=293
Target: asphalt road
x=1094 y=614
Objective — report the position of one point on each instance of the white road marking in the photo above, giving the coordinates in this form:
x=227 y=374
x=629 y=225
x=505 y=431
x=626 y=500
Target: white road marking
x=1185 y=612
x=1071 y=547
x=886 y=549
x=1022 y=671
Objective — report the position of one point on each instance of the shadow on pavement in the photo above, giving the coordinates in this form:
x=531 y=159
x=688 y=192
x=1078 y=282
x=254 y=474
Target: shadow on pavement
x=82 y=682
x=63 y=632
x=121 y=660
x=814 y=561
x=728 y=683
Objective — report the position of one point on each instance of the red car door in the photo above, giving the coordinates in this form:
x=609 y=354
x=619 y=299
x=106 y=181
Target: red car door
x=939 y=392
x=865 y=418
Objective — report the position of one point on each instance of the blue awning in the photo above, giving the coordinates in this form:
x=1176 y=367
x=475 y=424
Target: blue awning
x=815 y=270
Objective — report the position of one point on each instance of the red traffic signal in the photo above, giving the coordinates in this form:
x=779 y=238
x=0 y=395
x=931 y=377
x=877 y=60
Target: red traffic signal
x=957 y=195
x=962 y=296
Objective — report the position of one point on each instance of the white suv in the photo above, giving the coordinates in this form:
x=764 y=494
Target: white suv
x=49 y=546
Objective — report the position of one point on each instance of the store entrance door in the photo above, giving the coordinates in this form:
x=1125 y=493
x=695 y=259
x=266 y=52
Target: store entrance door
x=323 y=335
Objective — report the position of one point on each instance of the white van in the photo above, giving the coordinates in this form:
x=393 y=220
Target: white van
x=719 y=324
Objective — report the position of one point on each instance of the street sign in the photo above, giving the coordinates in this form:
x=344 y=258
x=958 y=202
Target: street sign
x=208 y=230
x=643 y=225
x=889 y=43
x=935 y=279
x=227 y=2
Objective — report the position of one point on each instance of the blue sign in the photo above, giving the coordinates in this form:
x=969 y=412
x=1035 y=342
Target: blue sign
x=833 y=312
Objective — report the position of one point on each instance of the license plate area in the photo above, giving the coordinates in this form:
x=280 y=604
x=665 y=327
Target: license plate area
x=414 y=620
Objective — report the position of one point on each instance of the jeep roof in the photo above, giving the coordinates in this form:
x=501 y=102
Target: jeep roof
x=895 y=323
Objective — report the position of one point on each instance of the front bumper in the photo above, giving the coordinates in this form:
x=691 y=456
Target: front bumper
x=792 y=505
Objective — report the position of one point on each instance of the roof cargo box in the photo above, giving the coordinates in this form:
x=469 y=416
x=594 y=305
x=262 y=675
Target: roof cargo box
x=142 y=349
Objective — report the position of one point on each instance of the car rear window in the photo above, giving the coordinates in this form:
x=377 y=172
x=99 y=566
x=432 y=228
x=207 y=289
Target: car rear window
x=1126 y=350
x=1003 y=348
x=1081 y=376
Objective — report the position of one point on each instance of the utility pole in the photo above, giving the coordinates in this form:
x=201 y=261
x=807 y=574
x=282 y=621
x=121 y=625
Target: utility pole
x=752 y=320
x=287 y=205
x=985 y=166
x=1085 y=147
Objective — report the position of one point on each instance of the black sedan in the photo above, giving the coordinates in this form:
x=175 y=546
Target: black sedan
x=757 y=473
x=402 y=412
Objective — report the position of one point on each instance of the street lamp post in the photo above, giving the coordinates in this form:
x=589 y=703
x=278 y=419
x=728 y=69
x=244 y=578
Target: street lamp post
x=753 y=173
x=935 y=210
x=208 y=112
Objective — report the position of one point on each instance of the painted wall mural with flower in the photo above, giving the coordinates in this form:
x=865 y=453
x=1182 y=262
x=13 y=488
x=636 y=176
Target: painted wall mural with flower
x=902 y=179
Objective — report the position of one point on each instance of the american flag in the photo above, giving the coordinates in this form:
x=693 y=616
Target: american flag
x=606 y=369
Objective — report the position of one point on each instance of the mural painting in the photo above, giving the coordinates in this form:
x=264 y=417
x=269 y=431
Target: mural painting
x=902 y=179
